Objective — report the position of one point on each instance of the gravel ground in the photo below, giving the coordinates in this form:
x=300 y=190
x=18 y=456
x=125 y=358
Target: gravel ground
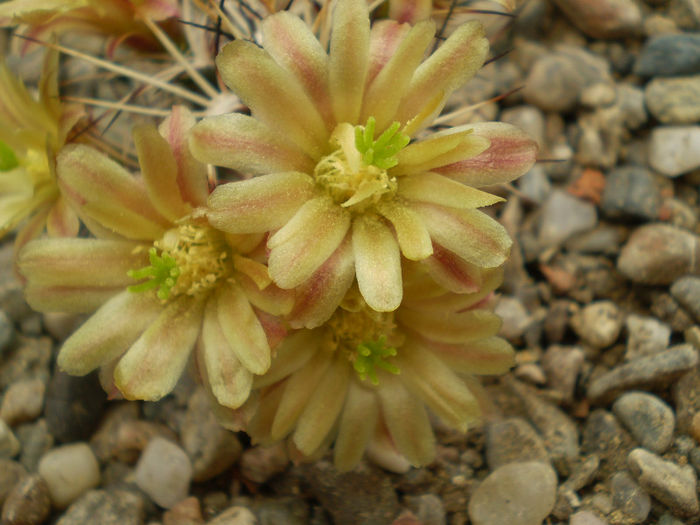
x=599 y=422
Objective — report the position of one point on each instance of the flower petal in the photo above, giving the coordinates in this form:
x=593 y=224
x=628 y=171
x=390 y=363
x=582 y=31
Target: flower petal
x=191 y=174
x=407 y=421
x=437 y=189
x=452 y=272
x=410 y=11
x=414 y=239
x=320 y=295
x=293 y=353
x=230 y=382
x=357 y=423
x=377 y=263
x=62 y=220
x=492 y=355
x=385 y=92
x=299 y=248
x=425 y=156
x=450 y=327
x=108 y=333
x=470 y=234
x=69 y=299
x=293 y=46
x=159 y=172
x=323 y=408
x=101 y=189
x=243 y=143
x=348 y=61
x=242 y=329
x=511 y=153
x=273 y=95
x=448 y=68
x=260 y=204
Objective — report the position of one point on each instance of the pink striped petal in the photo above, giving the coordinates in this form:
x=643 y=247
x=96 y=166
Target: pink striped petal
x=437 y=189
x=191 y=174
x=299 y=248
x=451 y=272
x=412 y=235
x=348 y=62
x=511 y=154
x=455 y=62
x=450 y=327
x=356 y=427
x=292 y=44
x=260 y=204
x=292 y=354
x=273 y=94
x=492 y=355
x=410 y=11
x=385 y=37
x=245 y=144
x=377 y=263
x=62 y=221
x=435 y=152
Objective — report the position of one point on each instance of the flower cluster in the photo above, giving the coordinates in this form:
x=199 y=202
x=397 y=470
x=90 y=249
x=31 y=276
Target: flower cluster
x=335 y=293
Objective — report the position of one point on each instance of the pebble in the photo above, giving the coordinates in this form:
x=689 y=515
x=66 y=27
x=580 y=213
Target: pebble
x=535 y=184
x=630 y=101
x=7 y=332
x=629 y=499
x=686 y=291
x=679 y=213
x=212 y=448
x=671 y=484
x=514 y=315
x=428 y=508
x=527 y=118
x=562 y=365
x=28 y=359
x=282 y=511
x=164 y=472
x=669 y=55
x=686 y=13
x=604 y=436
x=583 y=472
x=557 y=79
x=9 y=445
x=364 y=495
x=185 y=512
x=36 y=441
x=648 y=419
x=116 y=507
x=74 y=406
x=23 y=401
x=646 y=372
x=631 y=192
x=603 y=18
x=564 y=215
x=598 y=324
x=586 y=517
x=513 y=440
x=674 y=150
x=686 y=400
x=69 y=472
x=10 y=473
x=517 y=494
x=645 y=336
x=28 y=503
x=259 y=464
x=674 y=100
x=658 y=254
x=235 y=516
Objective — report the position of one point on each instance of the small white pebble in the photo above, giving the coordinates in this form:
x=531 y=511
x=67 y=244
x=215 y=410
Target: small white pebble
x=69 y=471
x=164 y=472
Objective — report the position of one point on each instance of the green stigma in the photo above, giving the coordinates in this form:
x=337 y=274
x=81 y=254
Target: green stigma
x=162 y=274
x=381 y=152
x=371 y=355
x=8 y=159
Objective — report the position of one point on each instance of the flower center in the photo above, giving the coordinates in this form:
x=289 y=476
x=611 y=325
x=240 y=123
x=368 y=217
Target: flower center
x=189 y=259
x=8 y=159
x=368 y=338
x=355 y=173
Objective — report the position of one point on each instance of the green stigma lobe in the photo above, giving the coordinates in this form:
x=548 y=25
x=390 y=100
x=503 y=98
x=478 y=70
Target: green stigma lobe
x=8 y=159
x=371 y=355
x=381 y=152
x=161 y=274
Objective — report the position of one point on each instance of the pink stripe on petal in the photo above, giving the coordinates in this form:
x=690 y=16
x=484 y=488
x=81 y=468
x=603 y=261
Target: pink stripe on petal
x=410 y=11
x=451 y=272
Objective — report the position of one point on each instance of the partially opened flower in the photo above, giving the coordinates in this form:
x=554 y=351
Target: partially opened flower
x=164 y=280
x=367 y=377
x=341 y=189
x=31 y=134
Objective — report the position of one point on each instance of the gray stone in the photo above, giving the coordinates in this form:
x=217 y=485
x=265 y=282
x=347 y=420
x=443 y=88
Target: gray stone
x=598 y=324
x=23 y=401
x=515 y=317
x=680 y=213
x=645 y=336
x=562 y=365
x=658 y=254
x=631 y=192
x=669 y=55
x=116 y=507
x=7 y=332
x=9 y=445
x=517 y=494
x=28 y=503
x=686 y=400
x=513 y=440
x=164 y=472
x=629 y=499
x=527 y=118
x=74 y=406
x=282 y=511
x=586 y=517
x=36 y=441
x=674 y=150
x=259 y=464
x=603 y=239
x=603 y=18
x=564 y=215
x=428 y=508
x=604 y=436
x=29 y=358
x=674 y=100
x=236 y=515
x=649 y=420
x=535 y=185
x=672 y=485
x=685 y=13
x=630 y=100
x=69 y=472
x=686 y=291
x=654 y=371
x=10 y=474
x=583 y=472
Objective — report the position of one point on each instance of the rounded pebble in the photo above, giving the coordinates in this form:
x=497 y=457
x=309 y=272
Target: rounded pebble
x=586 y=517
x=674 y=100
x=28 y=503
x=648 y=419
x=73 y=406
x=645 y=336
x=598 y=324
x=69 y=472
x=116 y=507
x=674 y=150
x=629 y=498
x=631 y=192
x=9 y=445
x=7 y=331
x=564 y=215
x=164 y=472
x=23 y=401
x=513 y=440
x=686 y=291
x=603 y=18
x=669 y=55
x=517 y=494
